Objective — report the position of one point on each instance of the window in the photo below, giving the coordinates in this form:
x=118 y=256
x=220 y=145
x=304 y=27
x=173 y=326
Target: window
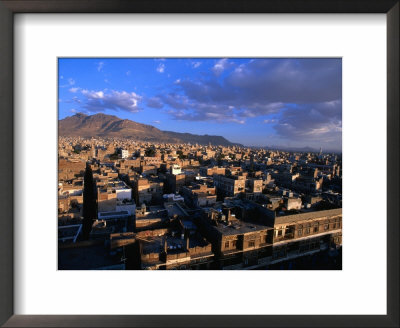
x=234 y=243
x=227 y=244
x=334 y=226
x=326 y=227
x=315 y=228
x=252 y=243
x=300 y=232
x=279 y=232
x=307 y=230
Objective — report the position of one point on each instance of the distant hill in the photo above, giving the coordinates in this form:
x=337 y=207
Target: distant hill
x=305 y=149
x=102 y=125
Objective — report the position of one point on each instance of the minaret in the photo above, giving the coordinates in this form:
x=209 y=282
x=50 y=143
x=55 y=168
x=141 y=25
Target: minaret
x=165 y=245
x=89 y=201
x=187 y=242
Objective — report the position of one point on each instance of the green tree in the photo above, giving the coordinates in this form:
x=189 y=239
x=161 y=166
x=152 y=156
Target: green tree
x=114 y=157
x=181 y=155
x=219 y=158
x=150 y=152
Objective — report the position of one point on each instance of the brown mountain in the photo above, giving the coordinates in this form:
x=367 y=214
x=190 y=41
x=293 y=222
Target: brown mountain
x=102 y=125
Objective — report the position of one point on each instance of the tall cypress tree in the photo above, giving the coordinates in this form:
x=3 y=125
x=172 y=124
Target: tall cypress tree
x=89 y=202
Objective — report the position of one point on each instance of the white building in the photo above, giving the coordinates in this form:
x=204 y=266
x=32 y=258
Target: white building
x=176 y=169
x=173 y=198
x=124 y=153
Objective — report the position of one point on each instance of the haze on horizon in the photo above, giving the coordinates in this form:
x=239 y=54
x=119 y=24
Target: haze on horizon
x=285 y=102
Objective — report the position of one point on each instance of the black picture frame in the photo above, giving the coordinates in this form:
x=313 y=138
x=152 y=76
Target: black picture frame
x=7 y=10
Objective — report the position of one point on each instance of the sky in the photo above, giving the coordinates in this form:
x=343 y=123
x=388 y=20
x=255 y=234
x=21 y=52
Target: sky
x=282 y=102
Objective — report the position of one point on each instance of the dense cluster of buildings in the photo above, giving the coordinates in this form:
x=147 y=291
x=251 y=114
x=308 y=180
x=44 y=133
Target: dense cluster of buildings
x=183 y=206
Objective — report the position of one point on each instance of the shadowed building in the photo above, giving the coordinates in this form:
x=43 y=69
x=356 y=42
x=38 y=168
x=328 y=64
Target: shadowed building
x=89 y=202
x=198 y=195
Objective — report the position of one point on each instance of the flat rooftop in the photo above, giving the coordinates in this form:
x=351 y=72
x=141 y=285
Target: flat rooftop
x=240 y=227
x=115 y=214
x=175 y=209
x=158 y=214
x=175 y=244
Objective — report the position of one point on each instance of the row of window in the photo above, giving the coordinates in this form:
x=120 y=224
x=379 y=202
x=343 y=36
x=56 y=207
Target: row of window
x=307 y=230
x=315 y=229
x=233 y=244
x=300 y=232
x=250 y=243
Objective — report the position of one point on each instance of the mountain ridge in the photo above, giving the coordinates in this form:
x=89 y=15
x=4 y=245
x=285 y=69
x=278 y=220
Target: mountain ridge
x=104 y=125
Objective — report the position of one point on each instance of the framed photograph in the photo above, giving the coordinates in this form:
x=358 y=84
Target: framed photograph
x=213 y=164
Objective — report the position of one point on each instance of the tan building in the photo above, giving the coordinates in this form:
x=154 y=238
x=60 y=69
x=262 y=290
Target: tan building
x=297 y=234
x=236 y=243
x=229 y=185
x=210 y=171
x=254 y=185
x=176 y=181
x=148 y=218
x=147 y=191
x=199 y=195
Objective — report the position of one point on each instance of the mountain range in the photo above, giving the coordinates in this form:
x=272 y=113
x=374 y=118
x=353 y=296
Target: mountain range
x=102 y=125
x=306 y=149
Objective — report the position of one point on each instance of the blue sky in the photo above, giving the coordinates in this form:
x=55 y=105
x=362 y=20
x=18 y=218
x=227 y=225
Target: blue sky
x=257 y=102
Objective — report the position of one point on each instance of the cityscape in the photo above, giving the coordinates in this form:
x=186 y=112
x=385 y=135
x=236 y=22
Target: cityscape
x=199 y=164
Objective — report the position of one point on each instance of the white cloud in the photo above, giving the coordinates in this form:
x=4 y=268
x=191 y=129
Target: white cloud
x=303 y=97
x=73 y=90
x=71 y=82
x=100 y=66
x=270 y=121
x=221 y=65
x=161 y=68
x=156 y=122
x=98 y=101
x=93 y=94
x=196 y=64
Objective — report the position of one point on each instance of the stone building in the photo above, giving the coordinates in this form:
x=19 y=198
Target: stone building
x=229 y=186
x=236 y=243
x=198 y=195
x=210 y=171
x=148 y=190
